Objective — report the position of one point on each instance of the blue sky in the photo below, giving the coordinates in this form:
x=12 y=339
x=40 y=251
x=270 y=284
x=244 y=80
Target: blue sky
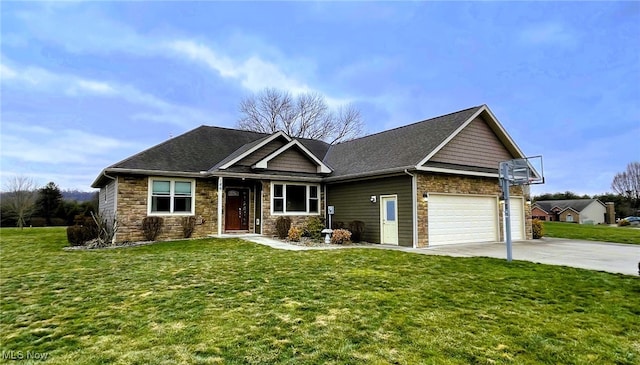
x=85 y=85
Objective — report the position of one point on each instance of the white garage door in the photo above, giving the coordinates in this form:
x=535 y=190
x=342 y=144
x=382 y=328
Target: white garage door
x=462 y=219
x=517 y=218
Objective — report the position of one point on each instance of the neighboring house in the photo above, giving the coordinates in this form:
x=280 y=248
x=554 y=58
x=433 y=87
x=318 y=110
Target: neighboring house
x=428 y=183
x=576 y=211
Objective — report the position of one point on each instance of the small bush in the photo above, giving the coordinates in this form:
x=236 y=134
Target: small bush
x=337 y=225
x=340 y=236
x=294 y=234
x=623 y=222
x=538 y=228
x=283 y=224
x=357 y=230
x=76 y=235
x=313 y=227
x=152 y=226
x=38 y=222
x=85 y=229
x=188 y=226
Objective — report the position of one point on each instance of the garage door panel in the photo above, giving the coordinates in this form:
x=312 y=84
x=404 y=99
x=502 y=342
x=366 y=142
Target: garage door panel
x=462 y=219
x=517 y=218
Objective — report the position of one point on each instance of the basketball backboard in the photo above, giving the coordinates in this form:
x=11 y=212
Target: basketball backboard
x=523 y=171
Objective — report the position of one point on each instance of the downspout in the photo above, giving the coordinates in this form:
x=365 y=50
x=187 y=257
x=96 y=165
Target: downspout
x=324 y=206
x=414 y=205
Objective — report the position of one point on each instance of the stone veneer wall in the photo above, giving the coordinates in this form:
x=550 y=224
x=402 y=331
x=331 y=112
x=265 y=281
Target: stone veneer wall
x=269 y=221
x=452 y=184
x=132 y=209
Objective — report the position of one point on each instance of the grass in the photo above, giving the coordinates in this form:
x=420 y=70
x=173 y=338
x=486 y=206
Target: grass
x=228 y=301
x=601 y=233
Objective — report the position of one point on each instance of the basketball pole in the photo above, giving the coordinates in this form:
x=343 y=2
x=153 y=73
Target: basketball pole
x=504 y=182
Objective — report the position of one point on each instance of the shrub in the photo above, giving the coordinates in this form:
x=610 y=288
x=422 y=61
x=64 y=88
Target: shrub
x=188 y=226
x=38 y=222
x=58 y=222
x=85 y=229
x=282 y=227
x=337 y=225
x=76 y=235
x=623 y=222
x=152 y=226
x=294 y=234
x=538 y=228
x=340 y=236
x=357 y=230
x=313 y=227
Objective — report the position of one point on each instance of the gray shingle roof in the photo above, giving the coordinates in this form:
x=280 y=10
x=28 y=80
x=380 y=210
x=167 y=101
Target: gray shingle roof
x=576 y=204
x=194 y=151
x=396 y=148
x=204 y=148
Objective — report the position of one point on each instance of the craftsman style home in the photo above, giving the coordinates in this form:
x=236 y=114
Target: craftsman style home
x=434 y=182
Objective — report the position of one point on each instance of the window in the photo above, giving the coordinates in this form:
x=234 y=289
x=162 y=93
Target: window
x=169 y=196
x=295 y=199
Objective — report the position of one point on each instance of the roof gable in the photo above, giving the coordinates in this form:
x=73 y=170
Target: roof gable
x=475 y=145
x=292 y=157
x=264 y=145
x=577 y=205
x=398 y=148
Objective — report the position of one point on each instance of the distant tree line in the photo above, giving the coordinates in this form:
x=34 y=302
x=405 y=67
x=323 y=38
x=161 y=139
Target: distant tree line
x=24 y=204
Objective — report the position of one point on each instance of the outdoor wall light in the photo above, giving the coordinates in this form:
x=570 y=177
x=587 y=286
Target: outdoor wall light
x=425 y=197
x=373 y=198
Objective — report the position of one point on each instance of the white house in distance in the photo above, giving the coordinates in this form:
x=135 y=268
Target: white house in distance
x=582 y=211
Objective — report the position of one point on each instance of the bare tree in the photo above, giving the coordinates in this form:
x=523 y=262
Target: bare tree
x=19 y=200
x=627 y=183
x=306 y=115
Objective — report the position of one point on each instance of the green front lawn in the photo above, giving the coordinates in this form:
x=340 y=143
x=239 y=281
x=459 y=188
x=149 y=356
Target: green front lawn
x=215 y=301
x=592 y=233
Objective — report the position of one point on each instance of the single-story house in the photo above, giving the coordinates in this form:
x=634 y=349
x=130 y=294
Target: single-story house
x=429 y=183
x=581 y=211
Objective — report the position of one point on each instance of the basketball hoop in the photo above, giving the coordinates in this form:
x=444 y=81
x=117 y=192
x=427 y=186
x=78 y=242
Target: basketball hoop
x=517 y=172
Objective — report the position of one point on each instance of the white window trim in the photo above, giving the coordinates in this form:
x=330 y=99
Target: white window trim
x=172 y=182
x=284 y=197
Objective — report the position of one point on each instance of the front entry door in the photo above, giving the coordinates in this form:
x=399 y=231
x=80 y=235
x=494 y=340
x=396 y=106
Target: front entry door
x=389 y=219
x=236 y=217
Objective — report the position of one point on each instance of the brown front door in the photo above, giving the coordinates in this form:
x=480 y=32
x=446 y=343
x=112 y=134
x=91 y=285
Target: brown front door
x=236 y=216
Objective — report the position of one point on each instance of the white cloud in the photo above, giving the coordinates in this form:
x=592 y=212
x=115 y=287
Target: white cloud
x=547 y=34
x=37 y=144
x=254 y=73
x=39 y=79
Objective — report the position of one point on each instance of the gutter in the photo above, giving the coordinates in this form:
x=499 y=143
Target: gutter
x=414 y=205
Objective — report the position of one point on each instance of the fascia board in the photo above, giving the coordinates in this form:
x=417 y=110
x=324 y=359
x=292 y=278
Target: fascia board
x=456 y=172
x=255 y=148
x=263 y=164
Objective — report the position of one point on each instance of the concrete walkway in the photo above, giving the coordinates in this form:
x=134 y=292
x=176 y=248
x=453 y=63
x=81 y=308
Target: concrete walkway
x=600 y=256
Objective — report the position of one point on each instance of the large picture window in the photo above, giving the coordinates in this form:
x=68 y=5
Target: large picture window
x=170 y=196
x=295 y=199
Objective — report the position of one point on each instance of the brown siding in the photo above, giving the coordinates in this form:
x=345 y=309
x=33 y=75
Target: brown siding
x=292 y=160
x=352 y=202
x=576 y=216
x=132 y=209
x=261 y=153
x=475 y=145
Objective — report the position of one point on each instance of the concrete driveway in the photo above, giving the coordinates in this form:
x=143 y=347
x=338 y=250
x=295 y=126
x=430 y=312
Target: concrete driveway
x=601 y=256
